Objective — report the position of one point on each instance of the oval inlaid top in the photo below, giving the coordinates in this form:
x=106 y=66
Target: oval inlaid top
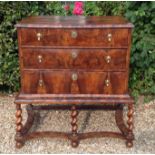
x=75 y=22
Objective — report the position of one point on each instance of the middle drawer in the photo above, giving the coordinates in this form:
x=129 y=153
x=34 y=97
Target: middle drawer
x=108 y=59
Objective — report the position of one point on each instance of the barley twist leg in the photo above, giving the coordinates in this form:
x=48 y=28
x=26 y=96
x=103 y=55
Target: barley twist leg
x=74 y=114
x=130 y=136
x=18 y=137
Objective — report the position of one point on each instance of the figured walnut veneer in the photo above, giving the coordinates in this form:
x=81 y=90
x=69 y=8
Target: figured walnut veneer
x=72 y=62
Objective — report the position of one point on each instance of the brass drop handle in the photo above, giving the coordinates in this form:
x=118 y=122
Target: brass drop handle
x=41 y=82
x=40 y=58
x=107 y=82
x=74 y=34
x=39 y=35
x=109 y=37
x=108 y=59
x=74 y=76
x=74 y=54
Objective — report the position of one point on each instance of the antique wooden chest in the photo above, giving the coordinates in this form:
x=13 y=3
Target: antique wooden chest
x=74 y=61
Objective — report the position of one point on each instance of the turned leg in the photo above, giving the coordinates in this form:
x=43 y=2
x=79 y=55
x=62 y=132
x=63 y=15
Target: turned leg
x=74 y=114
x=18 y=137
x=130 y=136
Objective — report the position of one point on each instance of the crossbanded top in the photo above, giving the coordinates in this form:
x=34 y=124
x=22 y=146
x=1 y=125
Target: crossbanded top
x=74 y=22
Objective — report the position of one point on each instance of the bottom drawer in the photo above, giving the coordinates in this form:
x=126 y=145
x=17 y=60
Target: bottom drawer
x=64 y=82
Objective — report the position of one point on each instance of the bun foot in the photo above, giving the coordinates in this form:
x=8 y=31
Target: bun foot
x=19 y=145
x=129 y=144
x=74 y=144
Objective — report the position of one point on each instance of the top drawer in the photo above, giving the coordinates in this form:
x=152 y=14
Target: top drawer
x=117 y=38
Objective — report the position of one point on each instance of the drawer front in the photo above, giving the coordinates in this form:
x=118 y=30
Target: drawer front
x=113 y=59
x=64 y=82
x=75 y=37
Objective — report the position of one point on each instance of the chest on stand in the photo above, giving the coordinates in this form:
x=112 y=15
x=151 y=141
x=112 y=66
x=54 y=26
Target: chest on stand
x=74 y=62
